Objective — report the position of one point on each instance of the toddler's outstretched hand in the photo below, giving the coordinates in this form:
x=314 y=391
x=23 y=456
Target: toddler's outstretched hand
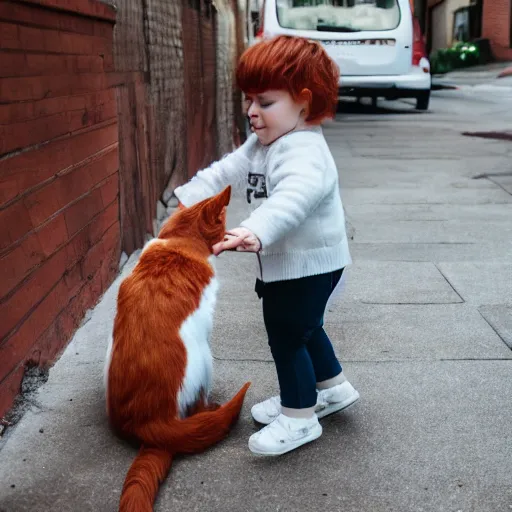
x=240 y=239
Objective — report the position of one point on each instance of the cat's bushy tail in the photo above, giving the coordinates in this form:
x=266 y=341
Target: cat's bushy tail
x=144 y=477
x=189 y=435
x=194 y=433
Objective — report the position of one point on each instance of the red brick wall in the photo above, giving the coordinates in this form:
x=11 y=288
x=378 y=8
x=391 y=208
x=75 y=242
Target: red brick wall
x=496 y=27
x=59 y=206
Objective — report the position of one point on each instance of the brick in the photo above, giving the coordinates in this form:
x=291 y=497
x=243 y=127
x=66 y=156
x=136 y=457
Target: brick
x=49 y=345
x=9 y=36
x=110 y=266
x=28 y=38
x=92 y=100
x=24 y=171
x=14 y=349
x=80 y=119
x=496 y=25
x=50 y=86
x=108 y=63
x=13 y=64
x=45 y=18
x=90 y=234
x=9 y=389
x=100 y=251
x=56 y=337
x=100 y=168
x=15 y=307
x=44 y=349
x=39 y=64
x=110 y=190
x=18 y=263
x=69 y=187
x=85 y=64
x=14 y=223
x=17 y=112
x=73 y=43
x=80 y=213
x=31 y=38
x=103 y=29
x=40 y=245
x=92 y=8
x=100 y=137
x=29 y=133
x=82 y=25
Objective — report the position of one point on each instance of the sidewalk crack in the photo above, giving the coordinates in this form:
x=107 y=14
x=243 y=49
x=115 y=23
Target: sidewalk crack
x=495 y=330
x=448 y=281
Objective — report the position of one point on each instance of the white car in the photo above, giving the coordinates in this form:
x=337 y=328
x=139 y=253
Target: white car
x=377 y=44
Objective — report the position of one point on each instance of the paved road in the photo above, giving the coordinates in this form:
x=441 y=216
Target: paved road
x=423 y=326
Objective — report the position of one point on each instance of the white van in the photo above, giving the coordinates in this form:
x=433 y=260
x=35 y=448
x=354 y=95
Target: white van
x=377 y=44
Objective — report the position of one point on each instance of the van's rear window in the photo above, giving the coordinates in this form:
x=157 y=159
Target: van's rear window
x=338 y=15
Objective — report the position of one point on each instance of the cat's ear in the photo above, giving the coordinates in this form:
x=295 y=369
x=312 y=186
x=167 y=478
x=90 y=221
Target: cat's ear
x=216 y=204
x=224 y=197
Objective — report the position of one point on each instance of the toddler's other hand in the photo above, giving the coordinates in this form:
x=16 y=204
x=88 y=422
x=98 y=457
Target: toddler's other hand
x=240 y=239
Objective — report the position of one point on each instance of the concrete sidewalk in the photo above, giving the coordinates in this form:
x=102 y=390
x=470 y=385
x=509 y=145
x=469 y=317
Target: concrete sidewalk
x=498 y=74
x=423 y=327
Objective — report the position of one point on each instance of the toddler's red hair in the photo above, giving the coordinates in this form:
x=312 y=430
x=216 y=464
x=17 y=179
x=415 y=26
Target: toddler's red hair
x=292 y=64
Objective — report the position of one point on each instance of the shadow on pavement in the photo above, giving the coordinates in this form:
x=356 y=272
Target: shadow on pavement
x=347 y=106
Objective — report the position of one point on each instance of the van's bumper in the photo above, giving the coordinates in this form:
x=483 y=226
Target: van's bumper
x=398 y=86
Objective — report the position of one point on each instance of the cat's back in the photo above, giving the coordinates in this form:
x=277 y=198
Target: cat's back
x=167 y=306
x=169 y=276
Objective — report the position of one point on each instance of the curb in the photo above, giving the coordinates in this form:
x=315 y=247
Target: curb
x=439 y=87
x=505 y=72
x=490 y=135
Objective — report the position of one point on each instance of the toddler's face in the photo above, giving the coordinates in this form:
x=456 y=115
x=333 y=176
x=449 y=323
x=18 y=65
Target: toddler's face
x=274 y=113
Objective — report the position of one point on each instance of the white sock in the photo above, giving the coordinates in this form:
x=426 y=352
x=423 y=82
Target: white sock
x=329 y=383
x=299 y=414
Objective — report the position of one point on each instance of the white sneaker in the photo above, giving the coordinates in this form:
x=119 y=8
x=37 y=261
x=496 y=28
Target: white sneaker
x=329 y=401
x=335 y=399
x=267 y=411
x=284 y=434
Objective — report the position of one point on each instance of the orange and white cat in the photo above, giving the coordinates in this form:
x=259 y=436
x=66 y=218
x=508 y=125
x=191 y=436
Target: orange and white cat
x=159 y=366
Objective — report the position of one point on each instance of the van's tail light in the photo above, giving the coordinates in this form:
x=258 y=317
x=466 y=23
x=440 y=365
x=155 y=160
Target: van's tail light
x=260 y=31
x=419 y=50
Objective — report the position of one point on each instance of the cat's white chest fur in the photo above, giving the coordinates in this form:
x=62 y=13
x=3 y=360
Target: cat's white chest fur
x=195 y=333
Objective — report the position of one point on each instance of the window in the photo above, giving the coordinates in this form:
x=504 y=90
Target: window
x=338 y=15
x=461 y=26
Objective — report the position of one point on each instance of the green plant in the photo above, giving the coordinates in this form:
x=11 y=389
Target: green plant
x=460 y=55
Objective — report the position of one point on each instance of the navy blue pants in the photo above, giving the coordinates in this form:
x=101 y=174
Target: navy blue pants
x=293 y=312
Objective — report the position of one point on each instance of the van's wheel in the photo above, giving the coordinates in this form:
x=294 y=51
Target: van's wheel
x=422 y=100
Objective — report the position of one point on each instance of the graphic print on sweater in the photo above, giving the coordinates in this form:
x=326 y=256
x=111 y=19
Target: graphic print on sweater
x=256 y=187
